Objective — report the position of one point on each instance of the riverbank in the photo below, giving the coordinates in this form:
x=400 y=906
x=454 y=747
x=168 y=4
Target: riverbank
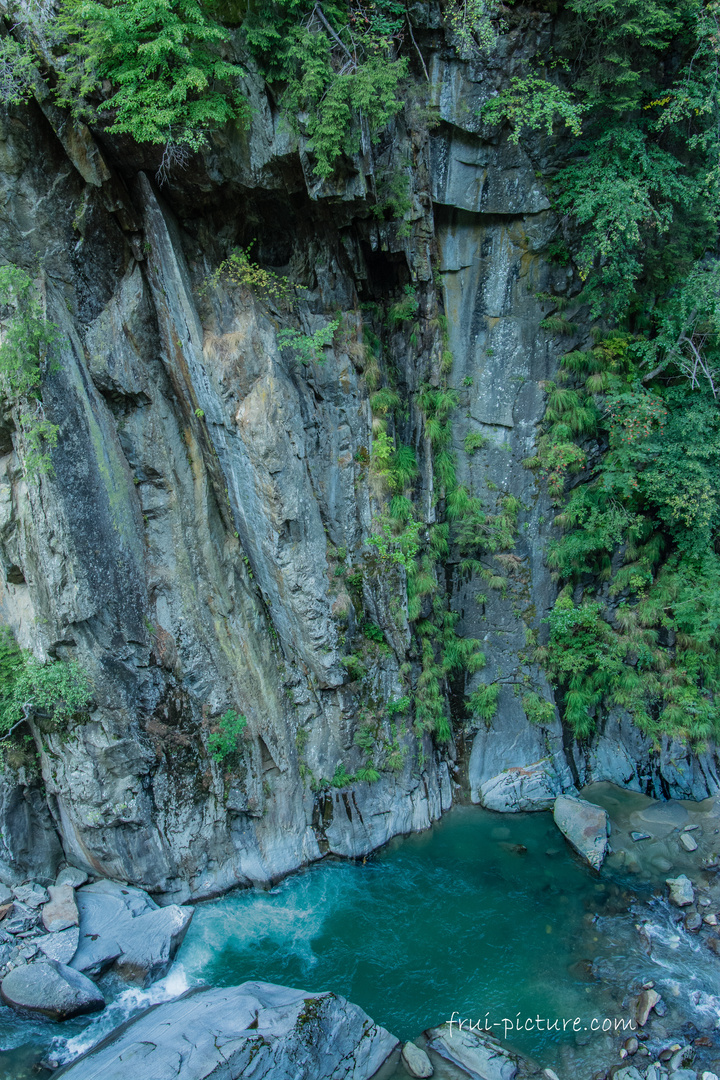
x=486 y=917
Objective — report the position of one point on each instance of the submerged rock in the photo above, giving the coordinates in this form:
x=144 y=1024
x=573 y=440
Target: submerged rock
x=688 y=841
x=269 y=1032
x=122 y=925
x=416 y=1061
x=584 y=825
x=51 y=989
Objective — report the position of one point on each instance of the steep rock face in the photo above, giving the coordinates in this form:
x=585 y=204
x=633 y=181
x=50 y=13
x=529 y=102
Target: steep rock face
x=212 y=498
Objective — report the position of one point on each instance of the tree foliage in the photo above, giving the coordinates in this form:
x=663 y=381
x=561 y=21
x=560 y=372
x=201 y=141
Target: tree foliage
x=58 y=690
x=25 y=337
x=170 y=82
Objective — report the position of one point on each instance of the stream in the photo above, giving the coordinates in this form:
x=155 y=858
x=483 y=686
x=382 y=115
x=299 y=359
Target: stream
x=483 y=916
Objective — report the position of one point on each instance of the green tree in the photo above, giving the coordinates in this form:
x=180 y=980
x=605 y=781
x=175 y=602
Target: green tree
x=170 y=83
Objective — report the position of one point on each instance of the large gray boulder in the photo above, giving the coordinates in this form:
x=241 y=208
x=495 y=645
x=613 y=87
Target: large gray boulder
x=585 y=826
x=269 y=1032
x=478 y=1054
x=51 y=989
x=122 y=926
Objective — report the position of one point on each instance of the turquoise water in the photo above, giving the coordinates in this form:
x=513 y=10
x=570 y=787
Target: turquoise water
x=485 y=916
x=456 y=919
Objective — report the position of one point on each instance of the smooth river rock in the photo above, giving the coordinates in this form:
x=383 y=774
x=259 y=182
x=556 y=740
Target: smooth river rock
x=480 y=1055
x=584 y=825
x=416 y=1061
x=122 y=926
x=51 y=989
x=255 y=1030
x=681 y=890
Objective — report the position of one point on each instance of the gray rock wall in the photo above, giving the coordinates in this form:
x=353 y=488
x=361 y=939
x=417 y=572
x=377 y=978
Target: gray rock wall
x=187 y=548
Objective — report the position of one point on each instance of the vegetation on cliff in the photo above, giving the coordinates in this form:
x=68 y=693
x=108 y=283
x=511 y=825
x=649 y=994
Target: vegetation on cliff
x=630 y=446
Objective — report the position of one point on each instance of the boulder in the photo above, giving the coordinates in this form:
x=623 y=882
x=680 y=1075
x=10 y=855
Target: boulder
x=416 y=1061
x=480 y=1055
x=681 y=890
x=584 y=825
x=269 y=1032
x=647 y=1001
x=122 y=925
x=61 y=910
x=70 y=875
x=52 y=989
x=61 y=946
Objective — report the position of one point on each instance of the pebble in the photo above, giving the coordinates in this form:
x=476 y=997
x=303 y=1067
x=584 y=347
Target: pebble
x=693 y=921
x=637 y=836
x=708 y=1076
x=688 y=842
x=710 y=920
x=690 y=828
x=631 y=1045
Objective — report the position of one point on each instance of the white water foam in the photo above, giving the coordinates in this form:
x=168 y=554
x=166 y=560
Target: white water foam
x=125 y=1005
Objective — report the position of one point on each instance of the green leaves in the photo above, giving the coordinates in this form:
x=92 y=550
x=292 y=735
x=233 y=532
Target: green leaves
x=224 y=743
x=309 y=347
x=624 y=190
x=534 y=102
x=337 y=69
x=27 y=335
x=162 y=57
x=58 y=689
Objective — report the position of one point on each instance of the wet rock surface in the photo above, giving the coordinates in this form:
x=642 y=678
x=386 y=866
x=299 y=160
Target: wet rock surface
x=121 y=926
x=585 y=826
x=269 y=1032
x=51 y=989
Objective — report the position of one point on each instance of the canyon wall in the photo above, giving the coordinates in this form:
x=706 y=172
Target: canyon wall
x=202 y=542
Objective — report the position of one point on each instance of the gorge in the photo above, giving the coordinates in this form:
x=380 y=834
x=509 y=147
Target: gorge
x=294 y=549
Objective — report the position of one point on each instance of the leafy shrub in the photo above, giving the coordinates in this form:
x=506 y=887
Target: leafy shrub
x=309 y=347
x=223 y=744
x=240 y=271
x=162 y=57
x=534 y=102
x=27 y=336
x=337 y=69
x=58 y=690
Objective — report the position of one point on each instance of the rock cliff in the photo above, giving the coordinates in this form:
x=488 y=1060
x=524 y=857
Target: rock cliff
x=202 y=542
